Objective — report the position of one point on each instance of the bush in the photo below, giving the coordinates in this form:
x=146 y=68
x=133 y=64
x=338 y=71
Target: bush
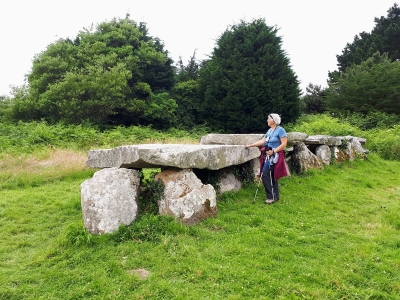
x=150 y=196
x=374 y=119
x=385 y=142
x=28 y=137
x=323 y=124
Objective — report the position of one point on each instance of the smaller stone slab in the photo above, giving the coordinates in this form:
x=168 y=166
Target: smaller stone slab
x=230 y=139
x=323 y=140
x=293 y=138
x=183 y=156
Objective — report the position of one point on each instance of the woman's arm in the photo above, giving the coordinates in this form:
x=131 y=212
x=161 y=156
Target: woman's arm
x=256 y=144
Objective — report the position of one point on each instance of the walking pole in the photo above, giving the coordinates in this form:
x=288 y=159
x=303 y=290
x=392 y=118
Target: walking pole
x=262 y=171
x=272 y=186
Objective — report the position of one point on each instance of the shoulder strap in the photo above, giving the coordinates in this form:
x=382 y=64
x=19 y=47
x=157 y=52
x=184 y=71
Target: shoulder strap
x=273 y=131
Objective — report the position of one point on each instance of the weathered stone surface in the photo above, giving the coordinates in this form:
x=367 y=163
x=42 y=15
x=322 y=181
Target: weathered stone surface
x=230 y=139
x=340 y=155
x=246 y=139
x=186 y=197
x=212 y=157
x=362 y=141
x=256 y=167
x=323 y=152
x=302 y=159
x=356 y=146
x=109 y=199
x=227 y=181
x=350 y=149
x=295 y=137
x=323 y=140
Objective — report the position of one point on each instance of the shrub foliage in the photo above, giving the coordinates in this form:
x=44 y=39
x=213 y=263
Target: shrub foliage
x=114 y=73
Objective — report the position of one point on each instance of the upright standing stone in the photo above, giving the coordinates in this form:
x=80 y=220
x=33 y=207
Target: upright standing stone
x=186 y=197
x=302 y=159
x=110 y=199
x=227 y=181
x=323 y=152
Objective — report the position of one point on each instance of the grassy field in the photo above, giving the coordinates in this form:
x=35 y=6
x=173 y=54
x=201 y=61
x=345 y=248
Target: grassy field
x=335 y=234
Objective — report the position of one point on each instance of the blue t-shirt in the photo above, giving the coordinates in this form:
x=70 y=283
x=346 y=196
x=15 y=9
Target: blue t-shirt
x=273 y=137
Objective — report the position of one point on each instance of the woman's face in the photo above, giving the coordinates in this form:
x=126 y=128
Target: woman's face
x=270 y=121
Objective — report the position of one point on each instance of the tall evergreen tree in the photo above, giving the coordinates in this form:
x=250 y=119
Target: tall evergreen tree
x=247 y=77
x=314 y=99
x=186 y=93
x=188 y=72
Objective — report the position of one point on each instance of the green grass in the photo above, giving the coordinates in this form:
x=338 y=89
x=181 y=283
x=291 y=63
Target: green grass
x=335 y=234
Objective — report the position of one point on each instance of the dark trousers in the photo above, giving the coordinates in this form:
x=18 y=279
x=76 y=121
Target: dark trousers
x=272 y=191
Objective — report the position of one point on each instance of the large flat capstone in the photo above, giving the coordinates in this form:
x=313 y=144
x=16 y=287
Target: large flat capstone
x=183 y=156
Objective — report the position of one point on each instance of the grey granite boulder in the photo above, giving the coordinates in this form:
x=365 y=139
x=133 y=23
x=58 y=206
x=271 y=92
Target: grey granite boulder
x=324 y=153
x=355 y=146
x=109 y=199
x=186 y=197
x=227 y=181
x=302 y=159
x=212 y=157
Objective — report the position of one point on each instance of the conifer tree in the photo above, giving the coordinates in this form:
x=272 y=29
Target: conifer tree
x=247 y=77
x=384 y=37
x=373 y=85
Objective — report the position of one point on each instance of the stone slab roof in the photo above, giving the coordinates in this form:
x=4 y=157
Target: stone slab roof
x=183 y=156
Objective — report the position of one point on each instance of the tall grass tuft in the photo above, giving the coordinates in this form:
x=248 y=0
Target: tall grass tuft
x=75 y=235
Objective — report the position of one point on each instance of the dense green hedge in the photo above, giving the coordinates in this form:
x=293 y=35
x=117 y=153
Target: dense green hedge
x=28 y=137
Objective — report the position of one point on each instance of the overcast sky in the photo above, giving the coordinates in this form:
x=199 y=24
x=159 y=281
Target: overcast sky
x=313 y=31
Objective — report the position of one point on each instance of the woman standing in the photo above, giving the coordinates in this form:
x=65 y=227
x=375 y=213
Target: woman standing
x=274 y=141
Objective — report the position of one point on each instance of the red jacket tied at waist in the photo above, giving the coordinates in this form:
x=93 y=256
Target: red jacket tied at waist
x=280 y=168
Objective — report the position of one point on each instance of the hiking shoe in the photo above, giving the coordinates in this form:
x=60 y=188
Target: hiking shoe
x=270 y=201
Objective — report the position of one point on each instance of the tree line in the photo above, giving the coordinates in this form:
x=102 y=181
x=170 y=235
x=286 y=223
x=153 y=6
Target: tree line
x=117 y=74
x=367 y=82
